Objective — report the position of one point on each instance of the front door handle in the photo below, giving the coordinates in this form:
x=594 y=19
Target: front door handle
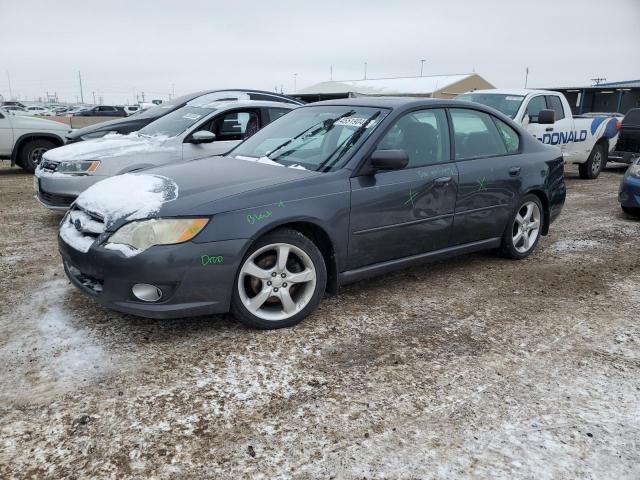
x=442 y=181
x=514 y=171
x=548 y=129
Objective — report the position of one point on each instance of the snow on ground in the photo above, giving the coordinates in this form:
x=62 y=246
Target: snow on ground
x=43 y=351
x=573 y=245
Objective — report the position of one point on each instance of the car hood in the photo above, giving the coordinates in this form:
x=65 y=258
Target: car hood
x=112 y=145
x=24 y=121
x=181 y=189
x=136 y=122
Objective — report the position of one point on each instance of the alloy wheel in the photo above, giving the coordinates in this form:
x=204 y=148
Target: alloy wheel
x=596 y=163
x=526 y=227
x=277 y=281
x=36 y=155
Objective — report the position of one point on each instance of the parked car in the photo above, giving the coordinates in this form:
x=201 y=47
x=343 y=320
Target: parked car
x=628 y=145
x=24 y=139
x=547 y=115
x=16 y=110
x=101 y=111
x=38 y=110
x=330 y=193
x=12 y=103
x=203 y=127
x=629 y=194
x=135 y=123
x=131 y=109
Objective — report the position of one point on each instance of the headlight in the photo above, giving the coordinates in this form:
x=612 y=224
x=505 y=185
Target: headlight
x=147 y=233
x=92 y=135
x=86 y=167
x=634 y=170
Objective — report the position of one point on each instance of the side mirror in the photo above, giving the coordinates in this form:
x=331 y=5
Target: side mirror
x=202 y=136
x=389 y=159
x=547 y=117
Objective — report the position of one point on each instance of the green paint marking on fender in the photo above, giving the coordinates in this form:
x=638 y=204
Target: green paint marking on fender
x=209 y=259
x=256 y=217
x=482 y=184
x=280 y=204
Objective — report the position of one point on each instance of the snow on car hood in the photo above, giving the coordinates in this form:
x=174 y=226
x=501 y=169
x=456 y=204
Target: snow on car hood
x=130 y=196
x=111 y=145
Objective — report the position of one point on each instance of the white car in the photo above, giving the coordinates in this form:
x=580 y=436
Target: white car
x=23 y=139
x=38 y=110
x=203 y=127
x=585 y=140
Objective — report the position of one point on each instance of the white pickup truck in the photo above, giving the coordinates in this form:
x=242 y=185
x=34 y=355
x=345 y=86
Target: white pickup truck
x=586 y=141
x=23 y=140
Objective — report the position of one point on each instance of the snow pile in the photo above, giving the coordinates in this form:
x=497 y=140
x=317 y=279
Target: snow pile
x=129 y=196
x=126 y=250
x=111 y=145
x=74 y=238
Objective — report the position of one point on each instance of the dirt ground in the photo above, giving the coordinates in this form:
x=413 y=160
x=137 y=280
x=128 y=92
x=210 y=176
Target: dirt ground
x=477 y=367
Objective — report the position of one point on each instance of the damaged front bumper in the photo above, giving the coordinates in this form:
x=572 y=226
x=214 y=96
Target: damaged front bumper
x=189 y=286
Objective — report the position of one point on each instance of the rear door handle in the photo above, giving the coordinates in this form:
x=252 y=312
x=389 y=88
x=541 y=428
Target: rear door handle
x=442 y=181
x=514 y=171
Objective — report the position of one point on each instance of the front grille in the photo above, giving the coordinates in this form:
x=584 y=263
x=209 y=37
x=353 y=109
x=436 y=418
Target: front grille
x=93 y=285
x=54 y=199
x=85 y=222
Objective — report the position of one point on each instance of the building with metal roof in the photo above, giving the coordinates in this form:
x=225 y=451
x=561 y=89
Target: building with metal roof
x=603 y=97
x=436 y=86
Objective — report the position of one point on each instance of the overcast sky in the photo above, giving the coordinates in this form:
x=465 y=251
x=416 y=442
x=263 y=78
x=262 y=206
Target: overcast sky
x=126 y=47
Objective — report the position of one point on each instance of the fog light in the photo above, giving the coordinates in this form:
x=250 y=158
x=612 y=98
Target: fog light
x=146 y=292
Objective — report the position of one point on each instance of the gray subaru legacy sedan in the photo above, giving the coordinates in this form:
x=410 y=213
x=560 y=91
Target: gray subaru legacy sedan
x=330 y=193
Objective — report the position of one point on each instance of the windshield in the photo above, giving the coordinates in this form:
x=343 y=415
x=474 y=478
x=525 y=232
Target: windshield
x=178 y=121
x=318 y=138
x=507 y=104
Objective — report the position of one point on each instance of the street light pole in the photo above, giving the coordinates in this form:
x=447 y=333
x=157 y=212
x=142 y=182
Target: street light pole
x=295 y=82
x=9 y=80
x=81 y=94
x=365 y=70
x=422 y=66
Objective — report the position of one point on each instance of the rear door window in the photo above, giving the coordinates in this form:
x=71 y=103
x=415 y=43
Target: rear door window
x=476 y=135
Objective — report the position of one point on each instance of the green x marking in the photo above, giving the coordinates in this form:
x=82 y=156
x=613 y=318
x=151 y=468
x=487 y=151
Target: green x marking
x=412 y=196
x=482 y=184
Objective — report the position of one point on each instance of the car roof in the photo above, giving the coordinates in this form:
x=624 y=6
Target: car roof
x=513 y=91
x=392 y=102
x=232 y=104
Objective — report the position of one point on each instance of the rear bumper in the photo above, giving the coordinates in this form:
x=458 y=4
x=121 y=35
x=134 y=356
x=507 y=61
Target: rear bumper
x=188 y=287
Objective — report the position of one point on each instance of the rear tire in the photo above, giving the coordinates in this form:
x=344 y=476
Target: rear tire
x=31 y=153
x=595 y=164
x=523 y=231
x=280 y=281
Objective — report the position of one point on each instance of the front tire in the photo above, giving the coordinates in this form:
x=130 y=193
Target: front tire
x=281 y=280
x=31 y=153
x=524 y=229
x=595 y=163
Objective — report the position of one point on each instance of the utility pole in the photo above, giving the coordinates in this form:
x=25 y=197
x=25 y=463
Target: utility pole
x=422 y=66
x=598 y=80
x=10 y=92
x=295 y=82
x=81 y=93
x=365 y=70
x=526 y=77
x=142 y=96
x=94 y=97
x=330 y=72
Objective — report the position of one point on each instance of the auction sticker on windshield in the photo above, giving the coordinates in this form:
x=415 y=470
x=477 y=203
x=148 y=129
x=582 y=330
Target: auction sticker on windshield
x=354 y=122
x=192 y=116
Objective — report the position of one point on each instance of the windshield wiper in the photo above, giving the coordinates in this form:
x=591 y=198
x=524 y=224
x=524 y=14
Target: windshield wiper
x=325 y=166
x=326 y=124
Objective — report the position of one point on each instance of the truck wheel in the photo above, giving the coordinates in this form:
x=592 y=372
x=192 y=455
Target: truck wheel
x=594 y=165
x=31 y=153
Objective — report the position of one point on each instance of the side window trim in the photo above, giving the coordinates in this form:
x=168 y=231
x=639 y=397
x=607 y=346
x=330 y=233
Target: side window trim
x=453 y=140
